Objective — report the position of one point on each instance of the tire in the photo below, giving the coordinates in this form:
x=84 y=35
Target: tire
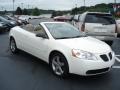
x=59 y=65
x=13 y=46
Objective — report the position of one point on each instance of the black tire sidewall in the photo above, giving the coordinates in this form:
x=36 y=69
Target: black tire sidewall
x=15 y=51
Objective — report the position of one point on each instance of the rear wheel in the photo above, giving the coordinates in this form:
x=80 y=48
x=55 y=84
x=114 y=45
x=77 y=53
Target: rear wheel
x=13 y=46
x=59 y=65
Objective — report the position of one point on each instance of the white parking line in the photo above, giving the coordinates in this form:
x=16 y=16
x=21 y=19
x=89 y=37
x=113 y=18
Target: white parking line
x=117 y=55
x=115 y=66
x=117 y=59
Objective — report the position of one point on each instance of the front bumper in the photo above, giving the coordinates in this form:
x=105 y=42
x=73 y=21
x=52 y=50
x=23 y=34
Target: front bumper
x=104 y=37
x=3 y=29
x=90 y=67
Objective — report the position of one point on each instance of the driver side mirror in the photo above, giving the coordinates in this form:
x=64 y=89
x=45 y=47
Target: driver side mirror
x=41 y=35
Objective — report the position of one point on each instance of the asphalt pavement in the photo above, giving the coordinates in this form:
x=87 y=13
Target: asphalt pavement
x=25 y=72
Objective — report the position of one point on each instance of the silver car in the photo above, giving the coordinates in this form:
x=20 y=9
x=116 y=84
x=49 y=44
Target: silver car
x=99 y=25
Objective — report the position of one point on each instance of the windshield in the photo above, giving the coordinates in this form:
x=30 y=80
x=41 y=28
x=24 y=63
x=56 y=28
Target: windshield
x=100 y=18
x=8 y=18
x=62 y=30
x=3 y=19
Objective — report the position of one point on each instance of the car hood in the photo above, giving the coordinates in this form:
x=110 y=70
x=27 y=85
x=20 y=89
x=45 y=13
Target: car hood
x=88 y=44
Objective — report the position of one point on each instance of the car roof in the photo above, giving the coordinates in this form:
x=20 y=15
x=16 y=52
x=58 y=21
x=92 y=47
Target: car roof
x=3 y=19
x=96 y=13
x=50 y=22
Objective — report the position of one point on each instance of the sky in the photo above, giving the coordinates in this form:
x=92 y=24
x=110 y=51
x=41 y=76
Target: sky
x=50 y=4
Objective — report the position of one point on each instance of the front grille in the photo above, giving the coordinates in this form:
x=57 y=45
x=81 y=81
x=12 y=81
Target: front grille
x=104 y=57
x=97 y=71
x=110 y=55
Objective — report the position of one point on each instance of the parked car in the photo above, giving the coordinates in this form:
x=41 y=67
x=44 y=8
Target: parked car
x=62 y=18
x=118 y=27
x=24 y=19
x=64 y=48
x=3 y=27
x=13 y=19
x=8 y=23
x=99 y=25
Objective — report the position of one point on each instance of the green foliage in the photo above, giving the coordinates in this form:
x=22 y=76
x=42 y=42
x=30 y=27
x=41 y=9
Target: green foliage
x=25 y=11
x=75 y=11
x=57 y=13
x=35 y=12
x=97 y=8
x=18 y=11
x=5 y=11
x=54 y=14
x=46 y=11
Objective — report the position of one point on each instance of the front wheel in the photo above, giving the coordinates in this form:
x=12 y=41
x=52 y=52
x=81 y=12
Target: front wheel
x=59 y=65
x=13 y=46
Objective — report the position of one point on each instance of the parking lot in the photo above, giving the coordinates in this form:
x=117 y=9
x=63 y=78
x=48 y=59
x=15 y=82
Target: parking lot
x=25 y=72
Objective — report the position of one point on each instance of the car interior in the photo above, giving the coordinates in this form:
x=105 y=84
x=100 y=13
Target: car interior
x=34 y=29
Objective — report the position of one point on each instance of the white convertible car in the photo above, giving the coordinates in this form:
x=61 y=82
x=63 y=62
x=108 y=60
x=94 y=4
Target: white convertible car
x=63 y=47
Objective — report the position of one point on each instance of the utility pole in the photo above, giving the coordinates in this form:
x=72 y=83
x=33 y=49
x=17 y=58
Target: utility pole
x=28 y=6
x=75 y=5
x=13 y=6
x=115 y=1
x=22 y=5
x=84 y=5
x=2 y=8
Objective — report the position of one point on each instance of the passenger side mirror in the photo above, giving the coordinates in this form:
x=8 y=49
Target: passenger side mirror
x=41 y=35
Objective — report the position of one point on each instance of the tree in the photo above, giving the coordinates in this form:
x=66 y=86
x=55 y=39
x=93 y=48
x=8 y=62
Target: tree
x=35 y=12
x=18 y=11
x=25 y=11
x=59 y=13
x=5 y=11
x=75 y=11
x=54 y=14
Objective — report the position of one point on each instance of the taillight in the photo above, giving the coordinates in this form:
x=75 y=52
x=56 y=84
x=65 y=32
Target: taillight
x=83 y=27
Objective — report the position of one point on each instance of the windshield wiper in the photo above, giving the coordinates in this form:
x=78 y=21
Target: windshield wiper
x=76 y=37
x=82 y=35
x=63 y=37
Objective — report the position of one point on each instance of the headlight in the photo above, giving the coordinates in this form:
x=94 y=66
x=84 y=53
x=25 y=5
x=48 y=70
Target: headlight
x=83 y=54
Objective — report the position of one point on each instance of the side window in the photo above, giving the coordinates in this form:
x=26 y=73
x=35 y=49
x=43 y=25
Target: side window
x=81 y=18
x=29 y=27
x=76 y=18
x=39 y=29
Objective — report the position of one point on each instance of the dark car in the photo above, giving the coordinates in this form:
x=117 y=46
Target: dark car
x=3 y=27
x=8 y=23
x=13 y=19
